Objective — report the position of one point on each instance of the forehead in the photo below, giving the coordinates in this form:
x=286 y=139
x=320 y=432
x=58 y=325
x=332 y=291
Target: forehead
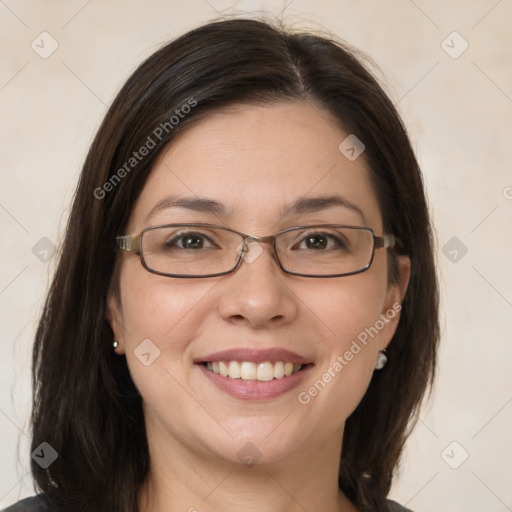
x=257 y=161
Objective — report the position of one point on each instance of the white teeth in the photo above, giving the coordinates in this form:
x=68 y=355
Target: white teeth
x=247 y=370
x=223 y=369
x=265 y=371
x=234 y=370
x=279 y=370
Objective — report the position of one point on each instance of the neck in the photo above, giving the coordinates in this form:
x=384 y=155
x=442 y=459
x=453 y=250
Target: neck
x=194 y=480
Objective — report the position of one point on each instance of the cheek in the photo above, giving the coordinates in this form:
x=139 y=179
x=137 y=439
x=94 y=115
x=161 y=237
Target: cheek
x=157 y=306
x=160 y=318
x=349 y=313
x=346 y=307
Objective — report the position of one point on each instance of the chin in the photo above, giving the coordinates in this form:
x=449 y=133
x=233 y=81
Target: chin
x=257 y=443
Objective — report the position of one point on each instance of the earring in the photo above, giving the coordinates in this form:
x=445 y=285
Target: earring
x=381 y=361
x=115 y=344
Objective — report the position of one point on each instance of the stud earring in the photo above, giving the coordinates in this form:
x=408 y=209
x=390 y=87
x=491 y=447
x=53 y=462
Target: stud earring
x=115 y=344
x=381 y=361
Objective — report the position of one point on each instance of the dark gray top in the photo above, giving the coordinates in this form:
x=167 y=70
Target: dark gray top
x=28 y=504
x=34 y=505
x=396 y=507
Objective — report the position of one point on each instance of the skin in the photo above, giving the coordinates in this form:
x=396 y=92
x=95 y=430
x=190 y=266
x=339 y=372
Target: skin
x=254 y=160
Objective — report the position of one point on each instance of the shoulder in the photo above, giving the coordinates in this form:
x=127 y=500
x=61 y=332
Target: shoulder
x=33 y=504
x=395 y=507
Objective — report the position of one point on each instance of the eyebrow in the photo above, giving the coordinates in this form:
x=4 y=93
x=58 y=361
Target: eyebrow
x=315 y=204
x=197 y=204
x=300 y=206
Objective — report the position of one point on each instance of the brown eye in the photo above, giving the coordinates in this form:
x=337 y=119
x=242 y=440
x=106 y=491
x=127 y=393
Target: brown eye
x=316 y=242
x=320 y=241
x=191 y=241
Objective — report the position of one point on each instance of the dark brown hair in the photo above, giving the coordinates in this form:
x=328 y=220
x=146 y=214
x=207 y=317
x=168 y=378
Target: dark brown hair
x=85 y=403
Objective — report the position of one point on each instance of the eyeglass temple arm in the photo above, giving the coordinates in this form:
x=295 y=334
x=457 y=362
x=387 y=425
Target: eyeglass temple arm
x=385 y=241
x=129 y=243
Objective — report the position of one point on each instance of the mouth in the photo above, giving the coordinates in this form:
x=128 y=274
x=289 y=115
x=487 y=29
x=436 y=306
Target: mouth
x=264 y=371
x=254 y=374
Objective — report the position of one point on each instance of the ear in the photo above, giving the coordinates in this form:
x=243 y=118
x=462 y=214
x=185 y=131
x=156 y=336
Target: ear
x=113 y=315
x=393 y=303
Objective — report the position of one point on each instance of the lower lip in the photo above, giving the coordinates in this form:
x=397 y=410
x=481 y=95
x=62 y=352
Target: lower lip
x=254 y=389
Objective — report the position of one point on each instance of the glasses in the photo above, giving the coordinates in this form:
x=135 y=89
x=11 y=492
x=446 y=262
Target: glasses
x=206 y=250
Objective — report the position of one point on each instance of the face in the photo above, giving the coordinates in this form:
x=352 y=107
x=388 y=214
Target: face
x=255 y=162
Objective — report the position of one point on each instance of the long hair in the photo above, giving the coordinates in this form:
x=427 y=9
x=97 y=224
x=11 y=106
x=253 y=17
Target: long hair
x=85 y=403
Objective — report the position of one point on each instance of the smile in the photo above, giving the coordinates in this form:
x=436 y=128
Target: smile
x=248 y=370
x=254 y=373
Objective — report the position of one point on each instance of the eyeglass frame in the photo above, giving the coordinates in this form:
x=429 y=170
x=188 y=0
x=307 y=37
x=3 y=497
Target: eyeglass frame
x=133 y=243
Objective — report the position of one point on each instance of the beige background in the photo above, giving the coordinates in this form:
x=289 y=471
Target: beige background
x=459 y=113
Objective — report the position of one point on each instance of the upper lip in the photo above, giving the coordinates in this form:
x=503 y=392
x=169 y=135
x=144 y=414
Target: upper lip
x=254 y=355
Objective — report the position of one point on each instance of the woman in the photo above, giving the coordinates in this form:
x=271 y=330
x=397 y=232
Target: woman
x=244 y=315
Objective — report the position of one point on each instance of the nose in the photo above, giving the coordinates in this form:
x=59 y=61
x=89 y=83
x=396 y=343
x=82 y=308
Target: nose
x=256 y=293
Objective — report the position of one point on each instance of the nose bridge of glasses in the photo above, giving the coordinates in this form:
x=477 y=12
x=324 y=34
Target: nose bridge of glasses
x=250 y=254
x=260 y=239
x=249 y=239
